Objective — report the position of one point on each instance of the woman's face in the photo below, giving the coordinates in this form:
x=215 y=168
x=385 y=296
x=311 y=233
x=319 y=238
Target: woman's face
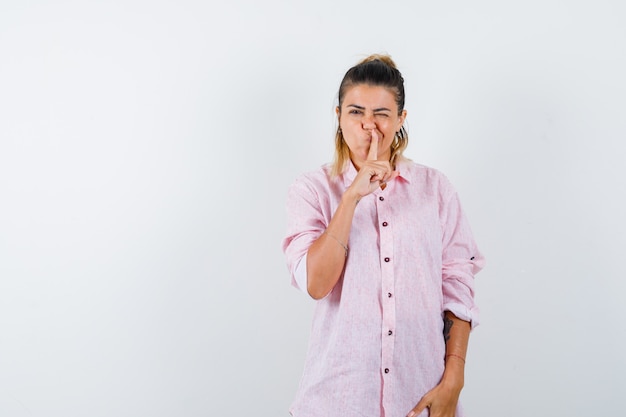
x=366 y=108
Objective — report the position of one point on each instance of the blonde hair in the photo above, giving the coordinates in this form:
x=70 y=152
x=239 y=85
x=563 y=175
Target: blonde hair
x=377 y=70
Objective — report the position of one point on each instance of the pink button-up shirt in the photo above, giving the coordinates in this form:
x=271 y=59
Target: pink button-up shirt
x=376 y=344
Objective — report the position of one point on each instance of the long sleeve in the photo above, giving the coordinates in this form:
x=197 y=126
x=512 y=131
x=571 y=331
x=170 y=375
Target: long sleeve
x=306 y=221
x=461 y=259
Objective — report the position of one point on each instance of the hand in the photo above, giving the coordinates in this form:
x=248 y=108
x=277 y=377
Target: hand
x=373 y=173
x=441 y=401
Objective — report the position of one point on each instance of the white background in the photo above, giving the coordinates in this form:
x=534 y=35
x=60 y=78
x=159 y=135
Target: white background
x=146 y=148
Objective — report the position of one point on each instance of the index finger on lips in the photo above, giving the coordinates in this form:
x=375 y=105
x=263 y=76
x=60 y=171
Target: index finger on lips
x=372 y=155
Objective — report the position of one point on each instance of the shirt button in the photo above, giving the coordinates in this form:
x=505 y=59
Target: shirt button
x=381 y=198
x=390 y=333
x=385 y=224
x=386 y=370
x=387 y=259
x=389 y=294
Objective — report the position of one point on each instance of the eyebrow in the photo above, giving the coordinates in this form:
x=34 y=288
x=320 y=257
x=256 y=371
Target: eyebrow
x=363 y=108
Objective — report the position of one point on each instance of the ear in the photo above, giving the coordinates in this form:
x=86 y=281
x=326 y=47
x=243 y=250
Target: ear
x=337 y=111
x=401 y=119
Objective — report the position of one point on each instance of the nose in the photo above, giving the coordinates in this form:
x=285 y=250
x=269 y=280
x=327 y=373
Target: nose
x=368 y=122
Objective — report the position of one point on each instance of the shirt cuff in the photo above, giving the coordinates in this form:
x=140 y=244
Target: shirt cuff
x=300 y=276
x=468 y=314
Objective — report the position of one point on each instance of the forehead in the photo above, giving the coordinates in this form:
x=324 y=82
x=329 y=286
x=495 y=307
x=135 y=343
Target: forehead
x=367 y=95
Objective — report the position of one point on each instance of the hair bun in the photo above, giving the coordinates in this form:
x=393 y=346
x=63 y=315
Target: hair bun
x=386 y=59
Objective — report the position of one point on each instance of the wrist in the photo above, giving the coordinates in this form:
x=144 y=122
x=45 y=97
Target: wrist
x=454 y=374
x=350 y=197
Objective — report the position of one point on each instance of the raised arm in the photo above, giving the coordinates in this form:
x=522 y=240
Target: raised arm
x=326 y=257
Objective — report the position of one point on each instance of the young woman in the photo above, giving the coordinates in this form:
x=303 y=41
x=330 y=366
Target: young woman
x=383 y=246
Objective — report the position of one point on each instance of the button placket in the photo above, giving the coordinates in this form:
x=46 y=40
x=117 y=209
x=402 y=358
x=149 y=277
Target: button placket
x=387 y=286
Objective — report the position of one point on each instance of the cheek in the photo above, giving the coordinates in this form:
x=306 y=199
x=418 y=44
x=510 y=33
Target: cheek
x=390 y=129
x=345 y=125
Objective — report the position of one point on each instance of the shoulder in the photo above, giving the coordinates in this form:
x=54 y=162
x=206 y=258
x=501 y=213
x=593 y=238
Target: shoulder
x=315 y=178
x=425 y=177
x=317 y=181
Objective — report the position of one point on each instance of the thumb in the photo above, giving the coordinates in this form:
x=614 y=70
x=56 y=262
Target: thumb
x=421 y=406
